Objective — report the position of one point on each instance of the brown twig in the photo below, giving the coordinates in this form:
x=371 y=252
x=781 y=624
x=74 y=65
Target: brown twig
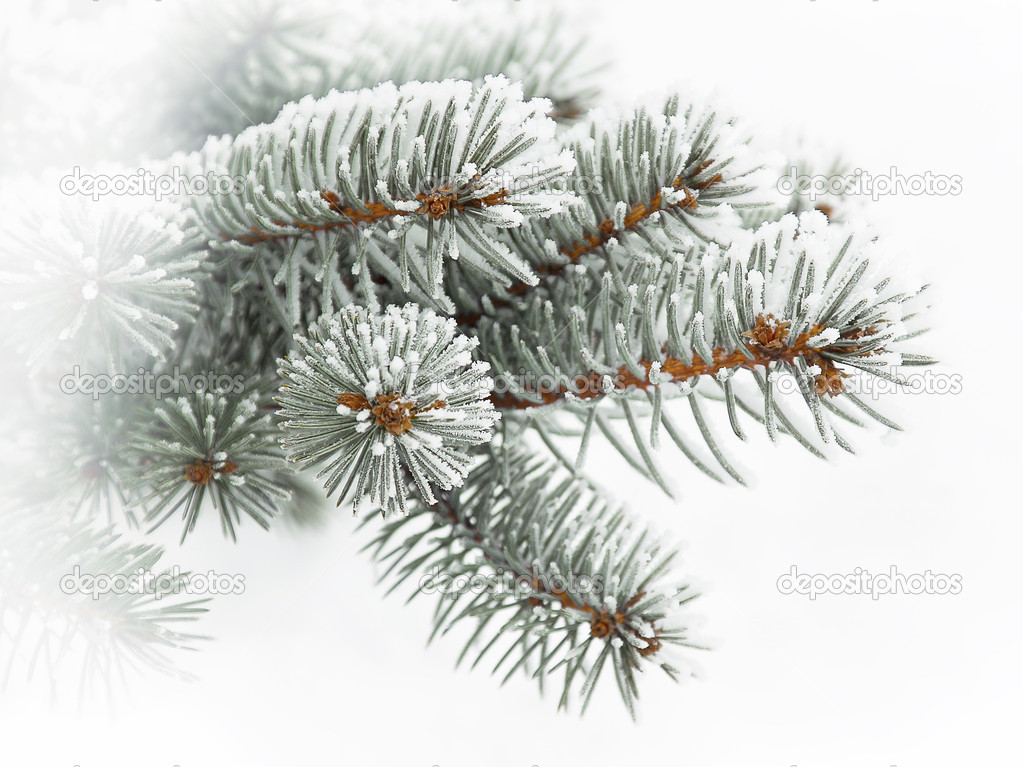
x=605 y=232
x=768 y=343
x=436 y=204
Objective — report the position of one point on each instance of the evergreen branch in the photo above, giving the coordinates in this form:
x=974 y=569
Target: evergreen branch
x=440 y=166
x=802 y=299
x=600 y=272
x=608 y=228
x=536 y=45
x=82 y=444
x=436 y=204
x=576 y=582
x=276 y=54
x=645 y=180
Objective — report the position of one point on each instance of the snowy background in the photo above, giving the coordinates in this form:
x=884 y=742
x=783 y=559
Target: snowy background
x=311 y=666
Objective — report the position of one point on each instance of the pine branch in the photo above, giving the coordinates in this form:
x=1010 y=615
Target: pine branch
x=81 y=442
x=231 y=65
x=767 y=343
x=649 y=182
x=275 y=54
x=574 y=585
x=538 y=46
x=438 y=166
x=802 y=299
x=387 y=248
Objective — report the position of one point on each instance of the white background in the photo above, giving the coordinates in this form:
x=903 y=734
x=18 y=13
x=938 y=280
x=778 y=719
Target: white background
x=311 y=666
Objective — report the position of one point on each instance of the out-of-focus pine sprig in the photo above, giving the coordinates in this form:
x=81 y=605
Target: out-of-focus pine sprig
x=106 y=281
x=86 y=457
x=536 y=45
x=57 y=625
x=230 y=66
